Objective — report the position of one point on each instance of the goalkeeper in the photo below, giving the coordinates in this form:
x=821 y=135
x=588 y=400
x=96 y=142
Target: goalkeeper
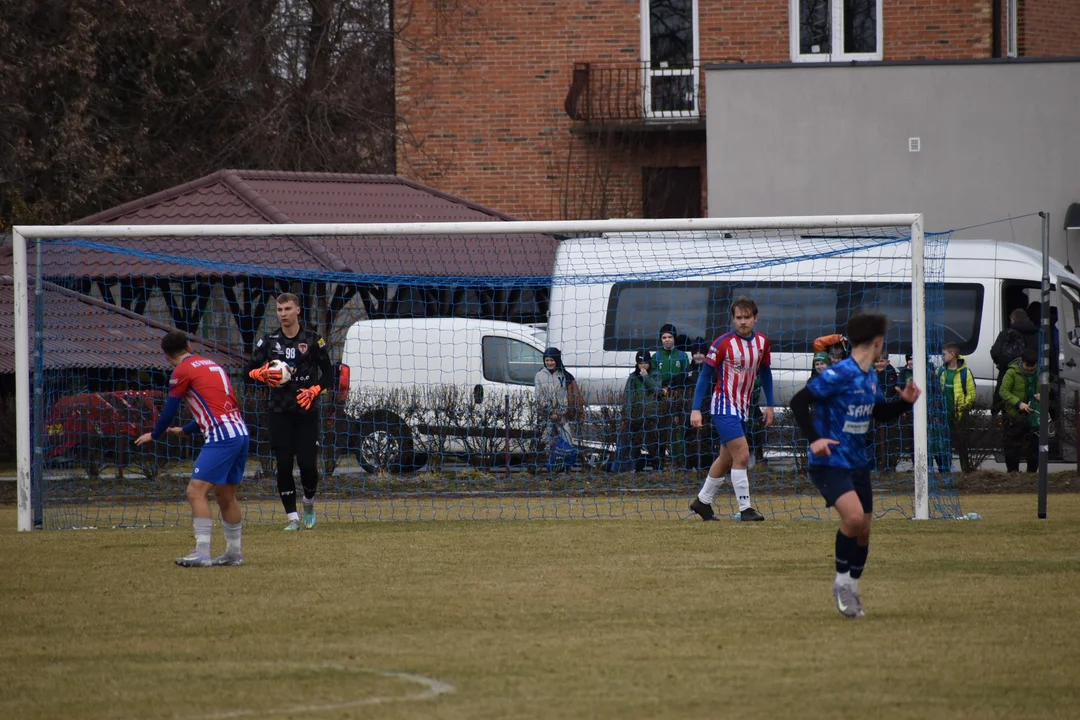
x=294 y=412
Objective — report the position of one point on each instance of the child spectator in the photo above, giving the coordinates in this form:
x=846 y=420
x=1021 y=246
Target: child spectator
x=958 y=386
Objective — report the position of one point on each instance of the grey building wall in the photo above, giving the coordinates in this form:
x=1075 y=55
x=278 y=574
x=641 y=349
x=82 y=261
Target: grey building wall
x=996 y=139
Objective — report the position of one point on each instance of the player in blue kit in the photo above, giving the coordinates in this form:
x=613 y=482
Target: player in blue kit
x=834 y=412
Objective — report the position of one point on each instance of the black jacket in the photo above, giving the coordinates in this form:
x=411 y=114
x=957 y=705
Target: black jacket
x=1026 y=329
x=308 y=359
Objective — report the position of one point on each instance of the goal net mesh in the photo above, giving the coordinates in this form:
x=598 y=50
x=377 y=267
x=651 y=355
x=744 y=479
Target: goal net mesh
x=439 y=404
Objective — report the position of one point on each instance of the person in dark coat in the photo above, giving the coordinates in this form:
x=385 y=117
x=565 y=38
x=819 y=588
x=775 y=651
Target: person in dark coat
x=1021 y=335
x=887 y=434
x=701 y=443
x=641 y=404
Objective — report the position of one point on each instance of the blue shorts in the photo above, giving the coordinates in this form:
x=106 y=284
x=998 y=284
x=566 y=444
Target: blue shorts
x=222 y=462
x=729 y=427
x=833 y=482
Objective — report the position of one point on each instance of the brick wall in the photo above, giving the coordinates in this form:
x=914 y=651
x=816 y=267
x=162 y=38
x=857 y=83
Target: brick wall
x=481 y=86
x=1049 y=28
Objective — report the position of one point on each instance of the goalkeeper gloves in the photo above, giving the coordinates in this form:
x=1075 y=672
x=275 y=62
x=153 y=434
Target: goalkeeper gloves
x=266 y=374
x=305 y=396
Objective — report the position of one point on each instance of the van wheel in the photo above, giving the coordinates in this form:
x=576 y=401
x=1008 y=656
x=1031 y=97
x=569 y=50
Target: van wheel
x=385 y=444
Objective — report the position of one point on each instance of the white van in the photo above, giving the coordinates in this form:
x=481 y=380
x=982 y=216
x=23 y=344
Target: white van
x=402 y=370
x=610 y=296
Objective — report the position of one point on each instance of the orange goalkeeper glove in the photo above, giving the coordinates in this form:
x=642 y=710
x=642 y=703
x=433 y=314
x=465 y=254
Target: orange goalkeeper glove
x=259 y=373
x=305 y=396
x=266 y=374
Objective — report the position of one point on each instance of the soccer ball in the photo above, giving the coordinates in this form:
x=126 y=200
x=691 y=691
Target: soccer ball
x=286 y=374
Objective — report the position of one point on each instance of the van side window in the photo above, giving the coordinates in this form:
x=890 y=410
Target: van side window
x=792 y=314
x=509 y=361
x=637 y=310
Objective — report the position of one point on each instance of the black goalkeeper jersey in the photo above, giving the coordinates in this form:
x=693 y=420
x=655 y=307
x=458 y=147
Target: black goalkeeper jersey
x=308 y=359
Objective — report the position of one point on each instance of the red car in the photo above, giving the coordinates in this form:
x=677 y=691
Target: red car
x=99 y=428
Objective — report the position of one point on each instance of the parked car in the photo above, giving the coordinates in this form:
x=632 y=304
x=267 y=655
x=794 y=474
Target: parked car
x=96 y=429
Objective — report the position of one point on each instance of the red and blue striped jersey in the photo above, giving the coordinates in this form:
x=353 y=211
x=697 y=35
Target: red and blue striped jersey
x=737 y=360
x=209 y=394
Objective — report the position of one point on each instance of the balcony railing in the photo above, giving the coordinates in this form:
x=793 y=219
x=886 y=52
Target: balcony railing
x=620 y=93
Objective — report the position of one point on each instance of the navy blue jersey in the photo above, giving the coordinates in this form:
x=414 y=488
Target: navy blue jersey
x=844 y=399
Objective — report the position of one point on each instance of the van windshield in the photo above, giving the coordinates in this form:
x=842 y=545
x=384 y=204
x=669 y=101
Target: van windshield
x=791 y=314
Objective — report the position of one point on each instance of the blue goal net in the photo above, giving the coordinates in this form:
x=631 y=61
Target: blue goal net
x=476 y=376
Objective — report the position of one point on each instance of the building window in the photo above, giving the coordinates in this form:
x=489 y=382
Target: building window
x=835 y=30
x=669 y=50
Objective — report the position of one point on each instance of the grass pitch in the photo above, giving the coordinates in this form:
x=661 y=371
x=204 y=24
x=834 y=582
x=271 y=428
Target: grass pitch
x=548 y=619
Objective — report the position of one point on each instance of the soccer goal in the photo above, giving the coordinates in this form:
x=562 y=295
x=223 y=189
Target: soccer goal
x=445 y=399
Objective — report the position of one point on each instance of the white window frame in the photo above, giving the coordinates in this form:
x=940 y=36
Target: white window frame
x=648 y=73
x=836 y=9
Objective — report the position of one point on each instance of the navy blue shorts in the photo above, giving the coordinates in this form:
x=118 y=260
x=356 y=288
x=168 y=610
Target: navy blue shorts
x=833 y=482
x=222 y=462
x=729 y=427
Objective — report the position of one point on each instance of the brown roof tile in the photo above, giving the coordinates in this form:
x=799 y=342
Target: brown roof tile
x=83 y=332
x=258 y=196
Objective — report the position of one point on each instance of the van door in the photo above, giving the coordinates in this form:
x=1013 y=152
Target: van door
x=1068 y=329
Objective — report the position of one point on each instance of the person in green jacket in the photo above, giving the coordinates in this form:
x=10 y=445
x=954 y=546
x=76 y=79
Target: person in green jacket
x=958 y=386
x=669 y=366
x=641 y=403
x=1020 y=398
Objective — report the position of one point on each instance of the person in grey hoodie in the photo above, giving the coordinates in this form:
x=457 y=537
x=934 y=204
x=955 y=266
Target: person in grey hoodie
x=559 y=400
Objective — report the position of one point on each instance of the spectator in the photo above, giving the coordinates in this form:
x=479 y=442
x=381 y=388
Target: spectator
x=836 y=345
x=958 y=386
x=1020 y=402
x=669 y=365
x=887 y=434
x=700 y=442
x=1010 y=344
x=559 y=400
x=907 y=424
x=821 y=361
x=641 y=399
x=907 y=373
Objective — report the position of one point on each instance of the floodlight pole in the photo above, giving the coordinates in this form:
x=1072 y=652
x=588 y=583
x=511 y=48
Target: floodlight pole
x=1044 y=367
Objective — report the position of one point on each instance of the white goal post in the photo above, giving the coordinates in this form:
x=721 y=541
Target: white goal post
x=22 y=285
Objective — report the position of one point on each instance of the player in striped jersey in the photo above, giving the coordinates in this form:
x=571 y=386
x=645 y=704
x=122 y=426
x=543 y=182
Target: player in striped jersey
x=220 y=464
x=735 y=360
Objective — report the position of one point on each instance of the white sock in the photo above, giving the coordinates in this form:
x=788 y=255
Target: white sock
x=309 y=500
x=204 y=527
x=708 y=491
x=293 y=516
x=232 y=537
x=741 y=483
x=853 y=583
x=842 y=579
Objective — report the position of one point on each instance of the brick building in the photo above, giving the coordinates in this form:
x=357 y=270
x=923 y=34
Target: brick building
x=595 y=108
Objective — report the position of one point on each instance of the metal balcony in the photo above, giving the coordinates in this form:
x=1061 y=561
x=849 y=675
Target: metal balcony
x=605 y=94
